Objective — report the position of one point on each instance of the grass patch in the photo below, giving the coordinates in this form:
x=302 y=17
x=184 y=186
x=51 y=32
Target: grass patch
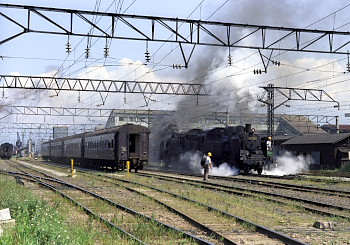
x=39 y=223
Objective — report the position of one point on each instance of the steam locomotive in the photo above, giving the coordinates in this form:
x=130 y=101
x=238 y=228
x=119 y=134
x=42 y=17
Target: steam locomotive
x=109 y=148
x=6 y=150
x=238 y=146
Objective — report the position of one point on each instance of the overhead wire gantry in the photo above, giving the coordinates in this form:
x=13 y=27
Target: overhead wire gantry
x=184 y=31
x=290 y=94
x=99 y=85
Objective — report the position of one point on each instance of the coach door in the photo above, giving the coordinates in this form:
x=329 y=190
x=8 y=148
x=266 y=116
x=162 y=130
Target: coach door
x=122 y=146
x=134 y=145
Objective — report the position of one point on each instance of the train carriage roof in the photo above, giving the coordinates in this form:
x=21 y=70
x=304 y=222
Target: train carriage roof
x=65 y=138
x=130 y=128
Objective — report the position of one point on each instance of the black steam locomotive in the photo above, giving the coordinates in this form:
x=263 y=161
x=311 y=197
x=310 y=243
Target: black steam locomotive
x=108 y=148
x=6 y=150
x=238 y=146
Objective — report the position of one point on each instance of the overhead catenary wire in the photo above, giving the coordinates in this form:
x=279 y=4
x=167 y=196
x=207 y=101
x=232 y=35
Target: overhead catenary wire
x=247 y=71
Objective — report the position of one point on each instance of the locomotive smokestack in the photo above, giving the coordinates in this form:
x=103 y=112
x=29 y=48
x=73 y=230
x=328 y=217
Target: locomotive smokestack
x=248 y=128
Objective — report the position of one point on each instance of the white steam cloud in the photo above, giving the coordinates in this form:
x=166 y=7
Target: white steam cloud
x=224 y=169
x=290 y=164
x=190 y=161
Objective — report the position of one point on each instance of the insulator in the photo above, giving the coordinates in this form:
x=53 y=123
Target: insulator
x=275 y=62
x=147 y=56
x=87 y=52
x=68 y=47
x=177 y=66
x=229 y=60
x=106 y=53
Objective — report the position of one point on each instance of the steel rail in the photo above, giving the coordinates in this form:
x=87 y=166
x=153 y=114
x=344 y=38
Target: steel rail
x=261 y=229
x=78 y=204
x=206 y=229
x=294 y=187
x=124 y=208
x=243 y=192
x=269 y=183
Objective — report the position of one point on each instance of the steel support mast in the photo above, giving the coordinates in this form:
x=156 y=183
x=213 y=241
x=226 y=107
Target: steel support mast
x=290 y=94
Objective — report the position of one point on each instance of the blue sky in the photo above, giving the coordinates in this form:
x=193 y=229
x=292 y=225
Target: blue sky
x=41 y=54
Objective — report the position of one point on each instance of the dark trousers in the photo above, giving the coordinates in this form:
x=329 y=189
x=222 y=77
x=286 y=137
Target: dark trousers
x=206 y=172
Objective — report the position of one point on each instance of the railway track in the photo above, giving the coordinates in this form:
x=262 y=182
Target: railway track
x=302 y=203
x=82 y=198
x=216 y=223
x=259 y=181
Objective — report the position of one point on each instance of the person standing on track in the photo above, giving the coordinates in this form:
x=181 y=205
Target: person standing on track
x=206 y=164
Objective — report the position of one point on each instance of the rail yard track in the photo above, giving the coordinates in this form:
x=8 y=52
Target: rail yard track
x=129 y=219
x=210 y=227
x=178 y=194
x=318 y=200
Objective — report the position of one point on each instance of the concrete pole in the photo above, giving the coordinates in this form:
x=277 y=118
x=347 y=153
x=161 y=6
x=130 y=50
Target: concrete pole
x=337 y=124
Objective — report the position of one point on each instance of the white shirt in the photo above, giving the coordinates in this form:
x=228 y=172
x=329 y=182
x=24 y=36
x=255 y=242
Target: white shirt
x=269 y=145
x=208 y=161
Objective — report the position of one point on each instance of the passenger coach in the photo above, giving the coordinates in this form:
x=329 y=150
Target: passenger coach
x=109 y=148
x=6 y=150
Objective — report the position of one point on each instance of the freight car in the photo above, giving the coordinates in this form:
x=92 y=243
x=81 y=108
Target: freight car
x=6 y=150
x=238 y=146
x=108 y=148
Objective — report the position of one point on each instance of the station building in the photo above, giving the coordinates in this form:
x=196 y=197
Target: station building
x=329 y=151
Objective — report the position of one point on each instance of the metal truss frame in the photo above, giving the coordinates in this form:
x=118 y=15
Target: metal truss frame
x=57 y=111
x=317 y=118
x=183 y=31
x=45 y=128
x=290 y=94
x=97 y=85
